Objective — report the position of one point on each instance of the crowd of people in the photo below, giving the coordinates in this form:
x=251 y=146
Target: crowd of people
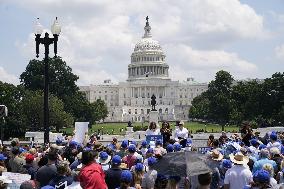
x=237 y=162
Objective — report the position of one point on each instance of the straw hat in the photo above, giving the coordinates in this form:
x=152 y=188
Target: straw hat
x=239 y=158
x=216 y=155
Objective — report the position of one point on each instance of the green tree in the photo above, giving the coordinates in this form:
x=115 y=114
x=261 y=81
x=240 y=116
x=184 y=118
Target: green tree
x=99 y=109
x=219 y=94
x=200 y=107
x=32 y=111
x=10 y=96
x=62 y=84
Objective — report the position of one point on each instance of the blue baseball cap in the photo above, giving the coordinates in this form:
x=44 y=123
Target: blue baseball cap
x=261 y=146
x=261 y=176
x=2 y=157
x=124 y=143
x=126 y=176
x=58 y=141
x=254 y=142
x=226 y=163
x=170 y=148
x=188 y=141
x=144 y=143
x=177 y=147
x=73 y=143
x=273 y=136
x=151 y=161
x=150 y=150
x=139 y=167
x=22 y=150
x=134 y=143
x=131 y=148
x=116 y=160
x=103 y=155
x=159 y=142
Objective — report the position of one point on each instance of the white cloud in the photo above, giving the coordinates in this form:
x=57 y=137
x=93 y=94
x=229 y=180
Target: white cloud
x=98 y=36
x=279 y=51
x=203 y=64
x=7 y=77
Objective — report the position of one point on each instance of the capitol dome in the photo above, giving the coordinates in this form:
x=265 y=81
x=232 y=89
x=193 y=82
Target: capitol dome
x=147 y=44
x=148 y=58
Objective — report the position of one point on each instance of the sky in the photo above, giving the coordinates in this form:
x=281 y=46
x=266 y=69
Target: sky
x=199 y=37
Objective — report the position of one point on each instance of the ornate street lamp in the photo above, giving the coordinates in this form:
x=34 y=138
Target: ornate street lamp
x=46 y=41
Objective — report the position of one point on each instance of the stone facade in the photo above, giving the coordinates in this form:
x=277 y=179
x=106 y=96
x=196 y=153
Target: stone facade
x=148 y=74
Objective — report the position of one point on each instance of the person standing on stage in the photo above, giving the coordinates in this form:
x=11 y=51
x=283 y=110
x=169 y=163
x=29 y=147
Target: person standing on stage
x=181 y=134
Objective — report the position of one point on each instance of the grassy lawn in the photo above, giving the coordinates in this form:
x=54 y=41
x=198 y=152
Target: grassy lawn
x=116 y=128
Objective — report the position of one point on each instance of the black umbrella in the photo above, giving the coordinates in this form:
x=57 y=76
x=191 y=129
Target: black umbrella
x=182 y=164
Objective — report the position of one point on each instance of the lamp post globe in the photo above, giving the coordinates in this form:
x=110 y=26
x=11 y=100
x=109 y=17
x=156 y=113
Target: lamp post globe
x=38 y=28
x=55 y=27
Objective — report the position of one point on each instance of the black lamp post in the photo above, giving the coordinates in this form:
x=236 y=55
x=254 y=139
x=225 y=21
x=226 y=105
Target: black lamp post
x=46 y=41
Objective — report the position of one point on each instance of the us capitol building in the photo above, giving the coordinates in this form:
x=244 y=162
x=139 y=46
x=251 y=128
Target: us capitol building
x=148 y=74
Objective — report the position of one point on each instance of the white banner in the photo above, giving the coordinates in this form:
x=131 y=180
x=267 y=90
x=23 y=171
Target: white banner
x=81 y=128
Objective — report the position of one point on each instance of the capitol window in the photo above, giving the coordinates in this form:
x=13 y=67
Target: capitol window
x=129 y=111
x=124 y=103
x=135 y=111
x=147 y=58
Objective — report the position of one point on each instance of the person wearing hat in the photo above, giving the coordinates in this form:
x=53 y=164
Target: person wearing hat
x=273 y=141
x=215 y=161
x=123 y=149
x=126 y=178
x=143 y=149
x=104 y=160
x=170 y=148
x=138 y=174
x=16 y=163
x=130 y=159
x=177 y=147
x=181 y=134
x=29 y=166
x=239 y=175
x=148 y=181
x=264 y=157
x=261 y=180
x=277 y=157
x=224 y=166
x=112 y=175
x=91 y=175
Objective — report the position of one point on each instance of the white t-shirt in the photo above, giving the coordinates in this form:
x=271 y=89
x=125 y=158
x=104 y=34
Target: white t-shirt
x=181 y=133
x=151 y=132
x=238 y=177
